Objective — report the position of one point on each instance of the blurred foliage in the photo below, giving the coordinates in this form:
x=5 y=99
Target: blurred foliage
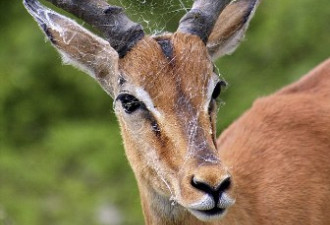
x=61 y=155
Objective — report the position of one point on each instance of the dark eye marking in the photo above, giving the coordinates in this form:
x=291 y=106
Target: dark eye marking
x=155 y=128
x=130 y=103
x=217 y=89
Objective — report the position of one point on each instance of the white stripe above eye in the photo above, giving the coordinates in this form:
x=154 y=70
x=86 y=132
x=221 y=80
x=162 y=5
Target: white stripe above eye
x=143 y=96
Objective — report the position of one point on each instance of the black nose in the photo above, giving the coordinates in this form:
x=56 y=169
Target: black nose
x=216 y=191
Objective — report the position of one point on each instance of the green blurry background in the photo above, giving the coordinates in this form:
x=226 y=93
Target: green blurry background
x=61 y=157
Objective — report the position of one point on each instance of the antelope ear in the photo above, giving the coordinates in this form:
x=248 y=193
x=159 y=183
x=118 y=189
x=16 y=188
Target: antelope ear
x=230 y=27
x=78 y=46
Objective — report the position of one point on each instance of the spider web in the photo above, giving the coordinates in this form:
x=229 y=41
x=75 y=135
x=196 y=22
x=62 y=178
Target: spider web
x=156 y=16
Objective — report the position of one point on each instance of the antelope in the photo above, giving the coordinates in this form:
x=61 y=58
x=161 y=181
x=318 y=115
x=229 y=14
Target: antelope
x=271 y=166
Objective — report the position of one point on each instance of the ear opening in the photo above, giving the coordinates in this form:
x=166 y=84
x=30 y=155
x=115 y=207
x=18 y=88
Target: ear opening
x=231 y=27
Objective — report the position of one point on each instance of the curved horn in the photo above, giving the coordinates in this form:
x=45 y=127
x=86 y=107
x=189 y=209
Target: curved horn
x=111 y=21
x=201 y=18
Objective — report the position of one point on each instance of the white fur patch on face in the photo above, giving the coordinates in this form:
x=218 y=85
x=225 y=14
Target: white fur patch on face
x=142 y=95
x=210 y=88
x=206 y=203
x=225 y=201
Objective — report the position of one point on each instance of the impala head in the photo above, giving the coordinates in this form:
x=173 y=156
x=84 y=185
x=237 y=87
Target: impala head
x=164 y=90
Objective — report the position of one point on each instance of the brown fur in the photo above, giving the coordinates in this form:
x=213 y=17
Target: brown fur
x=279 y=155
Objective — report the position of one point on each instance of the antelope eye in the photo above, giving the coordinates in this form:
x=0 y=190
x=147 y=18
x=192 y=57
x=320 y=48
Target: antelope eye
x=217 y=89
x=129 y=103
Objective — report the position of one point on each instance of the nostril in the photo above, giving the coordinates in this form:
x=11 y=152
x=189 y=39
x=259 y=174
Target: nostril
x=202 y=186
x=223 y=186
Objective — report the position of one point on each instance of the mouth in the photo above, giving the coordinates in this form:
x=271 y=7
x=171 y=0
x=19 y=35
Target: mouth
x=208 y=215
x=210 y=208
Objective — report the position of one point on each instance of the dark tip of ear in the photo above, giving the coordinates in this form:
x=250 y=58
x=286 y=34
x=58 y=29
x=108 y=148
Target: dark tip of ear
x=38 y=12
x=249 y=11
x=28 y=1
x=31 y=4
x=35 y=9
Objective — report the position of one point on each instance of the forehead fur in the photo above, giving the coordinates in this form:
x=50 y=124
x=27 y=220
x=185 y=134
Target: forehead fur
x=186 y=74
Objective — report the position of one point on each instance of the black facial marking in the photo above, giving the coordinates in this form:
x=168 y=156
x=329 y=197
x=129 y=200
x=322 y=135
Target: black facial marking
x=121 y=80
x=153 y=123
x=249 y=11
x=155 y=127
x=167 y=48
x=132 y=104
